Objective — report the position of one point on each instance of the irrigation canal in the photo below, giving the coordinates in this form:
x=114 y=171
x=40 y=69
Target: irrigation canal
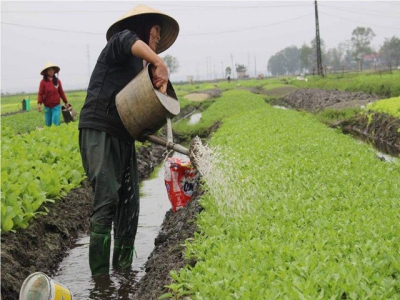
x=74 y=271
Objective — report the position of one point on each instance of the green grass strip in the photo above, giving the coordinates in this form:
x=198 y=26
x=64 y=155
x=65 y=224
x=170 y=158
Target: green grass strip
x=294 y=210
x=389 y=106
x=36 y=167
x=385 y=85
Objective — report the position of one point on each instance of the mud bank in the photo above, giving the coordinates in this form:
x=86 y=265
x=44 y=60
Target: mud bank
x=314 y=100
x=43 y=245
x=378 y=129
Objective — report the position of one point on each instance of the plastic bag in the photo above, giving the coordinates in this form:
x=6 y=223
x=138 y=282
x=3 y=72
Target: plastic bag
x=180 y=180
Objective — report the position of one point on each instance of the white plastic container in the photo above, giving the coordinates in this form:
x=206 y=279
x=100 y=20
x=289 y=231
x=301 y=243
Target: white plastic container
x=38 y=286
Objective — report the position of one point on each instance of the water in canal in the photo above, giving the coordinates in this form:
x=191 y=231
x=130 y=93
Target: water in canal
x=74 y=271
x=195 y=118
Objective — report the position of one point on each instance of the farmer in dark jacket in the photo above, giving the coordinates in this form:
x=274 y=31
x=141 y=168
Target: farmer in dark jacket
x=107 y=149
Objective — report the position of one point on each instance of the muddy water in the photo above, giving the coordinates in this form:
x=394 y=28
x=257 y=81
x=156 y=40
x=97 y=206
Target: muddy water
x=74 y=271
x=195 y=118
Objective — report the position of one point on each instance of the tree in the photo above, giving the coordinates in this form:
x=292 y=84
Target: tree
x=361 y=38
x=276 y=64
x=305 y=56
x=291 y=59
x=334 y=57
x=347 y=54
x=314 y=52
x=390 y=50
x=172 y=63
x=228 y=71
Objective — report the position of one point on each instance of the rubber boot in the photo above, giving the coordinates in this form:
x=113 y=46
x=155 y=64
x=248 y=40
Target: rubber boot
x=99 y=249
x=123 y=254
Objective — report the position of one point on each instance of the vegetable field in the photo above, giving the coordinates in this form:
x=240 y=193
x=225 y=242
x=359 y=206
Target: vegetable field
x=294 y=210
x=36 y=167
x=389 y=106
x=386 y=85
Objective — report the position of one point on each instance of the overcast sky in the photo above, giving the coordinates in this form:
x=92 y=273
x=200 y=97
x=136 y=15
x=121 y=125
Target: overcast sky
x=213 y=35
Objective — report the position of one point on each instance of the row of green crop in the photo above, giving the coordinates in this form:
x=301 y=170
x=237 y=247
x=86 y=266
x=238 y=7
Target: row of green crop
x=293 y=210
x=30 y=120
x=384 y=85
x=27 y=121
x=389 y=106
x=37 y=167
x=220 y=110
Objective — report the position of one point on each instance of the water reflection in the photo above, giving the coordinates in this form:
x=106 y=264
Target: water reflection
x=195 y=118
x=280 y=107
x=114 y=286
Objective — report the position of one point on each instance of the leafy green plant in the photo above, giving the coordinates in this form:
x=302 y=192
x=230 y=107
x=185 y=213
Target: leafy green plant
x=177 y=290
x=26 y=121
x=37 y=167
x=329 y=115
x=389 y=106
x=384 y=85
x=290 y=211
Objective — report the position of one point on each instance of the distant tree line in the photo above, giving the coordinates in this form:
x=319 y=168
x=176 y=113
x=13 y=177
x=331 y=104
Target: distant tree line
x=356 y=53
x=172 y=63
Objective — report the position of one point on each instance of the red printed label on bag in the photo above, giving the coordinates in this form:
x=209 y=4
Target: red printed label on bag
x=180 y=180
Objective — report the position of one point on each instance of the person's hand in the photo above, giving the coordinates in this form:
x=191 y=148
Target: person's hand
x=160 y=77
x=67 y=105
x=39 y=107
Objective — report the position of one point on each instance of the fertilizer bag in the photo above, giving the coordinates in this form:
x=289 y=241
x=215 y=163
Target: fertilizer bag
x=180 y=181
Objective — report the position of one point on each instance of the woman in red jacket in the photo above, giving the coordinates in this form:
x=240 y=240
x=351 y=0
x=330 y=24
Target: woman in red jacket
x=50 y=95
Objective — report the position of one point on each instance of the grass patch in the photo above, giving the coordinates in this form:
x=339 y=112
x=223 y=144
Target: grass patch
x=389 y=106
x=290 y=213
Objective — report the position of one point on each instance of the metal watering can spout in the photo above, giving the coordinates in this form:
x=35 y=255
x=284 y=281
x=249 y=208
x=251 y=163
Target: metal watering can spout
x=169 y=143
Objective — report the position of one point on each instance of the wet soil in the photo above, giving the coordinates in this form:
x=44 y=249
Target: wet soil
x=381 y=130
x=314 y=100
x=45 y=243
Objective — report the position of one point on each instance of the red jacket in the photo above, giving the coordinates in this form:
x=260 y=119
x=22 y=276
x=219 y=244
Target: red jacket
x=50 y=95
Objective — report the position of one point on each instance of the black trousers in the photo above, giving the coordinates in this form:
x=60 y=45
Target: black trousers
x=111 y=167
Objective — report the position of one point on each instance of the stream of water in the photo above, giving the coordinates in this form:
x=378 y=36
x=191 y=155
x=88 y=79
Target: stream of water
x=74 y=271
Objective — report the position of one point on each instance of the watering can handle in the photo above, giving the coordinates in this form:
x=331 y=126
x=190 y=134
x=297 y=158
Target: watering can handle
x=170 y=137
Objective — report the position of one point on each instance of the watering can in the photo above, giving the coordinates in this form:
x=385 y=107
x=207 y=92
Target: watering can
x=144 y=110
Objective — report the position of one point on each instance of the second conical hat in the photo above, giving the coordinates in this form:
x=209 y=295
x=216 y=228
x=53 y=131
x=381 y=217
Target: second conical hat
x=50 y=65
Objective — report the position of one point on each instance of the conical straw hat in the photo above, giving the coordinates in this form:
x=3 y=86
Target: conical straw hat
x=133 y=19
x=50 y=65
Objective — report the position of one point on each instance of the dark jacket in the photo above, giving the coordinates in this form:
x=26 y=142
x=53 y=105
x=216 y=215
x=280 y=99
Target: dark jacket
x=115 y=68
